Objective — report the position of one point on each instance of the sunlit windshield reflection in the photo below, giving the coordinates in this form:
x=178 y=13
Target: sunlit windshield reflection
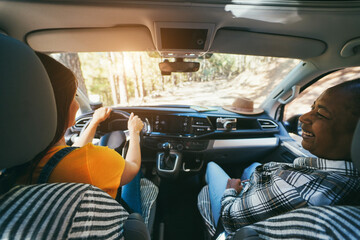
x=134 y=78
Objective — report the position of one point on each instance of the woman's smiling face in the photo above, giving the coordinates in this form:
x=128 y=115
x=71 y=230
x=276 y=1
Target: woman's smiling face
x=329 y=126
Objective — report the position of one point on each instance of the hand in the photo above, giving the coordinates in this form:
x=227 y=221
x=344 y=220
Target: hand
x=101 y=114
x=235 y=184
x=135 y=125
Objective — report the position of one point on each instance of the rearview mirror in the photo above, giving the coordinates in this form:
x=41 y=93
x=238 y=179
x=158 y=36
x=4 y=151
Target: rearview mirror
x=179 y=65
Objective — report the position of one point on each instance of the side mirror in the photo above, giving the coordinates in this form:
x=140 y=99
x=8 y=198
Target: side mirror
x=179 y=65
x=293 y=125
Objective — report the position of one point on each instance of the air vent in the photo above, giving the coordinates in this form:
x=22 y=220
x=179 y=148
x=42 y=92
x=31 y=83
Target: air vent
x=81 y=122
x=266 y=123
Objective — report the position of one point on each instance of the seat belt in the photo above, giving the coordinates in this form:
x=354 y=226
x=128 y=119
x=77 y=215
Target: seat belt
x=52 y=163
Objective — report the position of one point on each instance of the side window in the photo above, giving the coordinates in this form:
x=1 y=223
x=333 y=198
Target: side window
x=304 y=101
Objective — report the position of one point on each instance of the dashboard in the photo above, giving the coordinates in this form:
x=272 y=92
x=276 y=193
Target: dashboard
x=198 y=136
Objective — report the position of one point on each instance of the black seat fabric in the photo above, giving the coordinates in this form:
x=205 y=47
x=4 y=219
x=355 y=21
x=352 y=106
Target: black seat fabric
x=27 y=101
x=355 y=147
x=60 y=211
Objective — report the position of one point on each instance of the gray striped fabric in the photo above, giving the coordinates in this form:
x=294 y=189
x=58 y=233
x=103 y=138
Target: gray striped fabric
x=321 y=222
x=205 y=210
x=148 y=194
x=60 y=211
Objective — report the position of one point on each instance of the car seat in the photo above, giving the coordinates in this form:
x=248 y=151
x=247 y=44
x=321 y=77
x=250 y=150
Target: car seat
x=28 y=124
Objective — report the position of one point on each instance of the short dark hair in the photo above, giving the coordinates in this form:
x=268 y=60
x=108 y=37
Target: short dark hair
x=352 y=90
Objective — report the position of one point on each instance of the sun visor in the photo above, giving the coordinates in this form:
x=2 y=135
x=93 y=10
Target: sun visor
x=122 y=38
x=264 y=44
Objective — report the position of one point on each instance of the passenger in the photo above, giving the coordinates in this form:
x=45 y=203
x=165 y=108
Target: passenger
x=97 y=165
x=275 y=188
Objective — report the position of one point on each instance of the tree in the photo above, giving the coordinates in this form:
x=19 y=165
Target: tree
x=72 y=61
x=113 y=77
x=141 y=77
x=135 y=63
x=122 y=78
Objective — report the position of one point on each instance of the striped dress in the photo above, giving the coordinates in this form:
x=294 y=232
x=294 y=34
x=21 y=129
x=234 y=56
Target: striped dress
x=60 y=211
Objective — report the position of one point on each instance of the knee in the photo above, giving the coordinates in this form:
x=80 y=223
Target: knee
x=212 y=165
x=212 y=170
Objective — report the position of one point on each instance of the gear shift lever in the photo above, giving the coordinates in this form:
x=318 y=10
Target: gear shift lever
x=168 y=161
x=166 y=147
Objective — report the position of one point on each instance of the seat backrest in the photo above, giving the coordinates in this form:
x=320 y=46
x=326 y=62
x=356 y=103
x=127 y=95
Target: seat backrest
x=27 y=104
x=28 y=124
x=355 y=147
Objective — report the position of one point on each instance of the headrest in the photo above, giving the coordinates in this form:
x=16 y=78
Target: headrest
x=355 y=147
x=27 y=104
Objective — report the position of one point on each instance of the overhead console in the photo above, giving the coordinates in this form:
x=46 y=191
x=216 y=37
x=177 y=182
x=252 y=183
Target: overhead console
x=174 y=39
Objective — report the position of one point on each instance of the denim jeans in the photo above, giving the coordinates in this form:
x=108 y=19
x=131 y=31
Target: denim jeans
x=217 y=179
x=130 y=193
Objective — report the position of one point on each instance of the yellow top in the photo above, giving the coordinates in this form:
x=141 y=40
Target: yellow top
x=95 y=165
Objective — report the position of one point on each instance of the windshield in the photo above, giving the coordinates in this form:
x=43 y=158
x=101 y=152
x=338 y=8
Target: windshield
x=134 y=78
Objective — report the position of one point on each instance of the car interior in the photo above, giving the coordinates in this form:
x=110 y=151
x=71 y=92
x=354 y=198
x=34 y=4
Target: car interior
x=178 y=140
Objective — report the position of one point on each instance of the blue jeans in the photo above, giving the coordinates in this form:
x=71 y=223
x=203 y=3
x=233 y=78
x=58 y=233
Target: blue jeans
x=130 y=193
x=217 y=179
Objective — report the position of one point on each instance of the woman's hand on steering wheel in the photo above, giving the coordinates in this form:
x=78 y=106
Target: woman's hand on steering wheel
x=88 y=131
x=100 y=115
x=135 y=124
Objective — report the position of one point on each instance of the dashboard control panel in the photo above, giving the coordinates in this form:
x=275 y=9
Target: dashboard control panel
x=181 y=125
x=179 y=145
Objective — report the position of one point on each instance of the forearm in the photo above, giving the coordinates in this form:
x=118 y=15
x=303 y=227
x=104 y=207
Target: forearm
x=230 y=210
x=237 y=212
x=87 y=136
x=258 y=204
x=134 y=154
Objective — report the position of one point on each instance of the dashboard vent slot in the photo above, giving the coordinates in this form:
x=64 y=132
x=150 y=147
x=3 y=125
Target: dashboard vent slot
x=266 y=123
x=81 y=122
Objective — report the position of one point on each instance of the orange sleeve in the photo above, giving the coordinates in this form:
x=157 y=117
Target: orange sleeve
x=105 y=167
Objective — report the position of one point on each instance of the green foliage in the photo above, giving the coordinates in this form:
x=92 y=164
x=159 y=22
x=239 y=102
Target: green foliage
x=96 y=76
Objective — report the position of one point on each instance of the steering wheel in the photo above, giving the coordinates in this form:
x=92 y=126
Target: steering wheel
x=115 y=129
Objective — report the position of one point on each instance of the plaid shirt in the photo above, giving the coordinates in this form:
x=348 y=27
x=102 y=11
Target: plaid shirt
x=275 y=188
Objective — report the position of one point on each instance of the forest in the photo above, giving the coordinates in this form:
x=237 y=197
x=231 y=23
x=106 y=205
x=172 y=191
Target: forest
x=134 y=78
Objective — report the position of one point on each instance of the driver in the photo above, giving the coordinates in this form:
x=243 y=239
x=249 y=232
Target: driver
x=97 y=165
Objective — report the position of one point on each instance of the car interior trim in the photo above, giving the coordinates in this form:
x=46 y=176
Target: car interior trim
x=247 y=142
x=293 y=149
x=160 y=155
